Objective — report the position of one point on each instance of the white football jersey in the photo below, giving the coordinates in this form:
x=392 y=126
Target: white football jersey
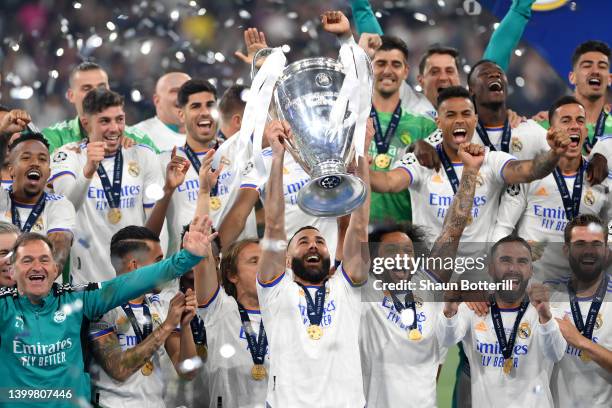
x=229 y=373
x=576 y=383
x=6 y=184
x=58 y=214
x=398 y=371
x=294 y=179
x=536 y=210
x=537 y=348
x=303 y=371
x=138 y=390
x=91 y=252
x=163 y=137
x=431 y=194
x=526 y=140
x=604 y=147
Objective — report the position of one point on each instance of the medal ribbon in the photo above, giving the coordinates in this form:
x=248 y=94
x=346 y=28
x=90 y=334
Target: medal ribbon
x=448 y=168
x=408 y=304
x=197 y=164
x=112 y=192
x=571 y=204
x=38 y=208
x=587 y=328
x=198 y=331
x=505 y=139
x=599 y=130
x=256 y=347
x=314 y=308
x=506 y=345
x=147 y=327
x=383 y=142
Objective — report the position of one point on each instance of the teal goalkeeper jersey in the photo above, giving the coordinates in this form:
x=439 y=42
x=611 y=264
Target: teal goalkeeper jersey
x=40 y=345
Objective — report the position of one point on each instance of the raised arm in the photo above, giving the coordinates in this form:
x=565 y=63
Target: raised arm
x=507 y=36
x=129 y=286
x=180 y=346
x=234 y=221
x=392 y=181
x=365 y=20
x=460 y=210
x=526 y=171
x=274 y=244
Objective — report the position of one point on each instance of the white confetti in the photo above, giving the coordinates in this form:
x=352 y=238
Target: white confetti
x=227 y=350
x=77 y=5
x=174 y=15
x=518 y=52
x=201 y=12
x=214 y=113
x=228 y=23
x=112 y=37
x=420 y=17
x=180 y=57
x=495 y=25
x=292 y=15
x=59 y=52
x=520 y=81
x=15 y=47
x=219 y=57
x=244 y=95
x=467 y=68
x=192 y=3
x=111 y=26
x=441 y=3
x=407 y=317
x=244 y=14
x=136 y=95
x=22 y=92
x=94 y=41
x=54 y=73
x=154 y=192
x=472 y=7
x=146 y=46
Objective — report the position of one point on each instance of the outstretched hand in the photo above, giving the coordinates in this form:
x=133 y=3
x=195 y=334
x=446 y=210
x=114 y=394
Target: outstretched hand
x=198 y=239
x=176 y=170
x=254 y=40
x=208 y=177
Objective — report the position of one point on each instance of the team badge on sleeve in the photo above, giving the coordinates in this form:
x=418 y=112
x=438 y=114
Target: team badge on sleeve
x=513 y=190
x=408 y=159
x=247 y=168
x=59 y=157
x=435 y=138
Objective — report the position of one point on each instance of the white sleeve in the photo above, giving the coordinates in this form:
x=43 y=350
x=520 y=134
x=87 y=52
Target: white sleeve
x=497 y=162
x=511 y=208
x=435 y=138
x=603 y=147
x=452 y=331
x=554 y=344
x=411 y=166
x=67 y=177
x=249 y=179
x=62 y=216
x=153 y=174
x=211 y=309
x=269 y=292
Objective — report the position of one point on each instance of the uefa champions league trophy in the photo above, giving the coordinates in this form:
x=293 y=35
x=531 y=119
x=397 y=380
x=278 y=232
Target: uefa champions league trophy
x=304 y=96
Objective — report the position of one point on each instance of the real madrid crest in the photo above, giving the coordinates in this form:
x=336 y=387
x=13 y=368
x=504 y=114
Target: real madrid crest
x=589 y=197
x=133 y=169
x=516 y=144
x=524 y=330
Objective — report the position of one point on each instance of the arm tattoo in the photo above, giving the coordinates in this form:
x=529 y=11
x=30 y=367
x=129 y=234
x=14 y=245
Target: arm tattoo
x=455 y=222
x=526 y=171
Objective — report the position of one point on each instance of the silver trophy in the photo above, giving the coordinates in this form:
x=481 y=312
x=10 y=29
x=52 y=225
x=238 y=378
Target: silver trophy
x=304 y=96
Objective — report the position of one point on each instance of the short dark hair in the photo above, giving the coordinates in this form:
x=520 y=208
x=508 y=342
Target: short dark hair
x=83 y=66
x=438 y=50
x=476 y=65
x=194 y=86
x=26 y=136
x=583 y=220
x=452 y=92
x=128 y=240
x=229 y=264
x=231 y=102
x=414 y=232
x=306 y=227
x=99 y=99
x=26 y=237
x=394 y=43
x=509 y=239
x=589 y=46
x=564 y=100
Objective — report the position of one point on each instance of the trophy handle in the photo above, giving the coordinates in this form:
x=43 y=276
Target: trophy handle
x=264 y=52
x=293 y=150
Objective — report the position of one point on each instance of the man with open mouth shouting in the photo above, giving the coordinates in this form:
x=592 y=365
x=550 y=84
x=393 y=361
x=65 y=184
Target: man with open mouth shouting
x=27 y=205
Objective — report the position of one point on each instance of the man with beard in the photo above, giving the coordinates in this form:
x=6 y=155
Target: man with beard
x=106 y=183
x=541 y=209
x=583 y=377
x=83 y=78
x=513 y=348
x=312 y=319
x=8 y=236
x=27 y=205
x=400 y=359
x=432 y=191
x=591 y=77
x=165 y=128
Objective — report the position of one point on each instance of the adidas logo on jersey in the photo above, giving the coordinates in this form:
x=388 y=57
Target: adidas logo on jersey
x=541 y=192
x=437 y=179
x=481 y=326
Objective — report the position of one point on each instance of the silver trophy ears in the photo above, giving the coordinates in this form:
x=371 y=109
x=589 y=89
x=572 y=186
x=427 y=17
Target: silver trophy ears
x=261 y=54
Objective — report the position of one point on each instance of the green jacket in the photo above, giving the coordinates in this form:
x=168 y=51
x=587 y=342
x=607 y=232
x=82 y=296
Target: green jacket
x=70 y=131
x=40 y=345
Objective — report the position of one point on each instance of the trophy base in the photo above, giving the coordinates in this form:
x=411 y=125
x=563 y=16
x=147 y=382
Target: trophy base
x=332 y=195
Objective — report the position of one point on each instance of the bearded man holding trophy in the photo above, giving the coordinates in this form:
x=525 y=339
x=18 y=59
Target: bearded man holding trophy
x=311 y=317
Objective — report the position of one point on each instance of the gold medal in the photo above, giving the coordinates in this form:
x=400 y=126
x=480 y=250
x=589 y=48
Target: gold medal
x=202 y=351
x=315 y=332
x=508 y=365
x=114 y=215
x=215 y=203
x=133 y=169
x=584 y=357
x=258 y=372
x=147 y=368
x=415 y=335
x=382 y=160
